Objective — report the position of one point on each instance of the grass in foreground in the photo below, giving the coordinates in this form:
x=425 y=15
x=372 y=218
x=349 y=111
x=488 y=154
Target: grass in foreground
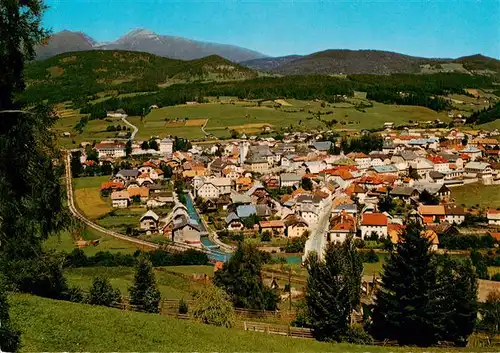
x=49 y=325
x=477 y=194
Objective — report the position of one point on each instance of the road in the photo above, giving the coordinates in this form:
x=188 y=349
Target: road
x=142 y=243
x=135 y=129
x=317 y=240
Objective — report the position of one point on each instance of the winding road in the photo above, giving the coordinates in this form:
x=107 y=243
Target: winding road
x=80 y=216
x=136 y=130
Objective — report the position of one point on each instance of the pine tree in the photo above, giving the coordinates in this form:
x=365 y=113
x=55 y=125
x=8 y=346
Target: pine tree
x=9 y=338
x=406 y=304
x=144 y=292
x=457 y=293
x=333 y=290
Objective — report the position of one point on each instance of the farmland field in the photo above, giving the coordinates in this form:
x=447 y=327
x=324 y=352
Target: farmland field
x=248 y=117
x=90 y=202
x=477 y=194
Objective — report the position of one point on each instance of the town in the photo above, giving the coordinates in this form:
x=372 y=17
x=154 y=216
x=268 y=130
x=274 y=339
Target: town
x=302 y=187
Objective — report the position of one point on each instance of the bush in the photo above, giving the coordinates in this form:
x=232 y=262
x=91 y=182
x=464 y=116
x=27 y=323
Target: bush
x=102 y=293
x=266 y=236
x=74 y=294
x=357 y=335
x=496 y=277
x=213 y=306
x=183 y=307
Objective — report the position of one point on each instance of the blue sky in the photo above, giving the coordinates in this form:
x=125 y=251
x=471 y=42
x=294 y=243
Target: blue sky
x=433 y=28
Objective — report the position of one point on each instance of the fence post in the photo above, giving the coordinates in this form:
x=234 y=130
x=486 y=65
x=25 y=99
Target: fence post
x=245 y=325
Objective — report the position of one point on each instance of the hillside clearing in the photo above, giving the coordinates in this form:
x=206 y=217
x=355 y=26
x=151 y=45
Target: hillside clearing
x=477 y=194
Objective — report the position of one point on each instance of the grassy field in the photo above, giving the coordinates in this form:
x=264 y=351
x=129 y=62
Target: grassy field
x=49 y=325
x=248 y=117
x=477 y=194
x=65 y=242
x=89 y=182
x=90 y=202
x=170 y=285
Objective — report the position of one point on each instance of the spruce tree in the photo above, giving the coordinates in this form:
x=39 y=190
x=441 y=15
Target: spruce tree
x=457 y=293
x=406 y=304
x=333 y=290
x=144 y=292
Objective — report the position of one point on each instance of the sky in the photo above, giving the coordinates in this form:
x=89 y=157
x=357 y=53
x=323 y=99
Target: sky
x=432 y=28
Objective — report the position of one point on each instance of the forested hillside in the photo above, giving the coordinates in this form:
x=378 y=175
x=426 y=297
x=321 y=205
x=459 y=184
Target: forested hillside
x=74 y=76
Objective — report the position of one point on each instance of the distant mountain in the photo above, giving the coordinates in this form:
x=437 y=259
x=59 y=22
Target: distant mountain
x=63 y=42
x=146 y=41
x=269 y=64
x=85 y=73
x=351 y=62
x=378 y=62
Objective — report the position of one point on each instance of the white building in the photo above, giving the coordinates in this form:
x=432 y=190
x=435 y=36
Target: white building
x=120 y=199
x=110 y=150
x=493 y=217
x=374 y=223
x=290 y=180
x=212 y=188
x=167 y=147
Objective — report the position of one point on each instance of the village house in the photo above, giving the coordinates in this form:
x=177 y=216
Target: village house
x=127 y=174
x=454 y=214
x=212 y=188
x=120 y=199
x=187 y=231
x=295 y=226
x=257 y=164
x=341 y=226
x=362 y=160
x=149 y=222
x=493 y=217
x=276 y=227
x=374 y=223
x=473 y=152
x=432 y=213
x=478 y=170
x=290 y=180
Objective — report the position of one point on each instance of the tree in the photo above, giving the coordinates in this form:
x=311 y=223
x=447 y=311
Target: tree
x=144 y=292
x=413 y=173
x=183 y=307
x=386 y=203
x=333 y=290
x=145 y=145
x=102 y=293
x=490 y=311
x=241 y=278
x=167 y=170
x=427 y=199
x=128 y=148
x=457 y=293
x=405 y=306
x=76 y=166
x=213 y=306
x=154 y=145
x=9 y=337
x=479 y=262
x=31 y=207
x=266 y=236
x=307 y=184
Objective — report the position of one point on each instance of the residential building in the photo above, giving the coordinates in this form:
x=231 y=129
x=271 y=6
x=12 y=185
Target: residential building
x=276 y=227
x=374 y=223
x=149 y=222
x=454 y=214
x=110 y=150
x=290 y=180
x=120 y=199
x=341 y=226
x=493 y=217
x=432 y=213
x=295 y=226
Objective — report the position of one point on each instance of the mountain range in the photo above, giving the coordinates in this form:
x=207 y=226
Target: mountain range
x=331 y=62
x=143 y=40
